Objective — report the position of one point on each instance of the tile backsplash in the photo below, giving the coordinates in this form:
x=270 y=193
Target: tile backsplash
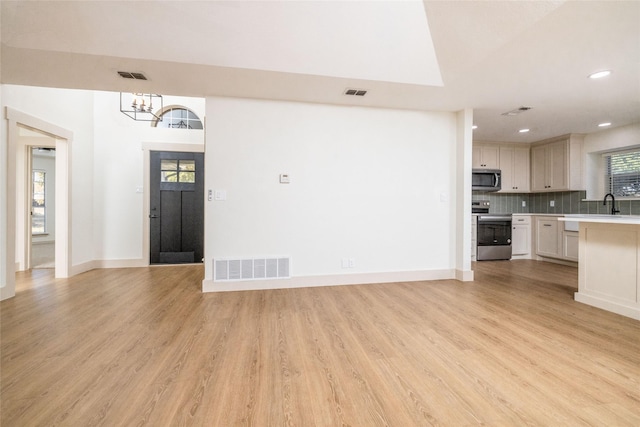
x=564 y=202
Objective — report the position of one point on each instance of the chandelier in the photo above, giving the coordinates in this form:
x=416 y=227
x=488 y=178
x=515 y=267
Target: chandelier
x=141 y=106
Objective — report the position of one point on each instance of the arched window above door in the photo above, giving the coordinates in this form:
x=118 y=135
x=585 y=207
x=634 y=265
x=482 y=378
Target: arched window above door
x=176 y=117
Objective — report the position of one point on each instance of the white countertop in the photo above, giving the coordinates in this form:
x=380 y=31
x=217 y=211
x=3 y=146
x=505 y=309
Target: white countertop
x=608 y=219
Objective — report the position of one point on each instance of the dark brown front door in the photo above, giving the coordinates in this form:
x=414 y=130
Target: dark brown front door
x=176 y=207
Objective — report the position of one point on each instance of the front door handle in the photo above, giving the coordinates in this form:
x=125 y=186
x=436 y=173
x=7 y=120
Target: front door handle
x=154 y=216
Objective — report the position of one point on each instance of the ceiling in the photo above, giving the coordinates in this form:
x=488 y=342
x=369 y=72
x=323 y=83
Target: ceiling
x=491 y=56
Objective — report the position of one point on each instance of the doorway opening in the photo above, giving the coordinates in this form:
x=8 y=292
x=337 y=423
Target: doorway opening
x=23 y=132
x=42 y=203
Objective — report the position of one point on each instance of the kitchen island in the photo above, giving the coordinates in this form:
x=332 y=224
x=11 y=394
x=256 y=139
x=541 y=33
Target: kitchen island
x=609 y=262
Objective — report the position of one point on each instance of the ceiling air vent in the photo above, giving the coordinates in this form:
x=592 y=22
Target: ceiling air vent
x=135 y=76
x=516 y=111
x=355 y=92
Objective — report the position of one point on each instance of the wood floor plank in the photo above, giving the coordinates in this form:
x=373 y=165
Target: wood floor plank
x=144 y=347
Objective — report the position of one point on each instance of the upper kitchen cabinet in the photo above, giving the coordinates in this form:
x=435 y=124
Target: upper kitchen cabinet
x=485 y=156
x=556 y=165
x=514 y=163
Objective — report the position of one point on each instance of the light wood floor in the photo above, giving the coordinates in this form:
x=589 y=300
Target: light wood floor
x=133 y=347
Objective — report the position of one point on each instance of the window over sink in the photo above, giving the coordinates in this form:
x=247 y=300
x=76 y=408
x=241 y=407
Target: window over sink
x=622 y=173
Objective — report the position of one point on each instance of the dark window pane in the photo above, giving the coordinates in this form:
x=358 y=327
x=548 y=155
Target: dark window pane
x=169 y=176
x=169 y=165
x=187 y=165
x=187 y=177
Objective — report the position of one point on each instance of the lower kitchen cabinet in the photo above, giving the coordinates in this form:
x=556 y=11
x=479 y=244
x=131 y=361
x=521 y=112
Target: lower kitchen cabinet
x=548 y=240
x=570 y=245
x=553 y=241
x=521 y=236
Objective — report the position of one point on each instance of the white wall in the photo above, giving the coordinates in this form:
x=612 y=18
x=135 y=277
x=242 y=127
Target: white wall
x=119 y=173
x=72 y=110
x=107 y=167
x=595 y=144
x=374 y=185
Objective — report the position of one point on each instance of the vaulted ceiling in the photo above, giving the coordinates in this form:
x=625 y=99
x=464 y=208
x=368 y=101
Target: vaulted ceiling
x=491 y=56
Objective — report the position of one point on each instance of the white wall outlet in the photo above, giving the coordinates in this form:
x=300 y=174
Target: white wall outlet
x=524 y=204
x=284 y=178
x=552 y=203
x=220 y=195
x=348 y=262
x=138 y=189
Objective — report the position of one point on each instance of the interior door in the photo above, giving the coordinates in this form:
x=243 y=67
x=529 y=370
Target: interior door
x=176 y=207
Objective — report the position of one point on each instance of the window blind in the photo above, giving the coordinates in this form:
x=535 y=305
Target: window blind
x=622 y=174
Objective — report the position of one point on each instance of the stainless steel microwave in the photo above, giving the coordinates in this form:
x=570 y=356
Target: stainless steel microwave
x=486 y=180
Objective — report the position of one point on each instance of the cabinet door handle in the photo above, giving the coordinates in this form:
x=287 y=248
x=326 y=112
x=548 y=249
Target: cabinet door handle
x=547 y=225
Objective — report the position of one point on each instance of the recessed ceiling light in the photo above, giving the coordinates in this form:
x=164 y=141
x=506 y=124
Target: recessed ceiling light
x=474 y=127
x=605 y=124
x=600 y=74
x=523 y=130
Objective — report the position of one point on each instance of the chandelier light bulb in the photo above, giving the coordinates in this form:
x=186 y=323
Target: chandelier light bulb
x=141 y=105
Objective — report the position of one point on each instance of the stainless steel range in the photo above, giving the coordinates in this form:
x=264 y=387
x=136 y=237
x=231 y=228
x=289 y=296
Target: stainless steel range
x=493 y=237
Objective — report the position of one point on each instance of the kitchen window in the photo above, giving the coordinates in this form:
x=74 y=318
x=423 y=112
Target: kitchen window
x=622 y=173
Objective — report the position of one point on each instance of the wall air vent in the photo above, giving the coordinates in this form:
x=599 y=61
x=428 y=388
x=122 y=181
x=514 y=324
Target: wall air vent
x=355 y=92
x=516 y=111
x=225 y=270
x=128 y=75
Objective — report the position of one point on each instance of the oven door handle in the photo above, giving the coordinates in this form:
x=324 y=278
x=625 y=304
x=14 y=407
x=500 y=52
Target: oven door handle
x=493 y=218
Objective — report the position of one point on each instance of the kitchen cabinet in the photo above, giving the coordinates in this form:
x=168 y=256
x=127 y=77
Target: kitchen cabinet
x=570 y=243
x=554 y=241
x=608 y=276
x=521 y=236
x=485 y=156
x=548 y=242
x=556 y=165
x=514 y=163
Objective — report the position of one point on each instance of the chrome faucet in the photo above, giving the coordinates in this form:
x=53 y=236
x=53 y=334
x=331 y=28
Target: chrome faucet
x=613 y=203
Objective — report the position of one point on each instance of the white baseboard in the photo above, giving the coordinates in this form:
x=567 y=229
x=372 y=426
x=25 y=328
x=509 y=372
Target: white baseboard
x=81 y=268
x=6 y=292
x=618 y=308
x=121 y=263
x=557 y=261
x=328 y=280
x=107 y=263
x=464 y=275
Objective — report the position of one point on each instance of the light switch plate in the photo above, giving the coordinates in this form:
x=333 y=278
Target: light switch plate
x=284 y=178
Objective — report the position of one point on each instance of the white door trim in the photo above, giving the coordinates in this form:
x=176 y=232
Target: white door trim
x=148 y=147
x=63 y=138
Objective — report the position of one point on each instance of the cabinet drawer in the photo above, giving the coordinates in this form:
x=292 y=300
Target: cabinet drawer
x=521 y=220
